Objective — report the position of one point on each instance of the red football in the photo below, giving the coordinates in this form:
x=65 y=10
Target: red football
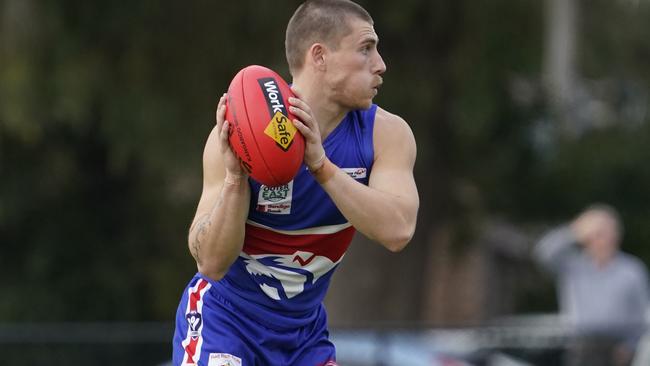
x=262 y=134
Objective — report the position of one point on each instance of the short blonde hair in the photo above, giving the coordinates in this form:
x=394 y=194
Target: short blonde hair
x=316 y=21
x=610 y=212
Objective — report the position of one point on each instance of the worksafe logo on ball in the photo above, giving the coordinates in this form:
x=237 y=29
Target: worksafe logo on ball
x=224 y=359
x=281 y=131
x=280 y=128
x=275 y=200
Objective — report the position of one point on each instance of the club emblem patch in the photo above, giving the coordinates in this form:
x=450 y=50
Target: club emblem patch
x=275 y=200
x=195 y=321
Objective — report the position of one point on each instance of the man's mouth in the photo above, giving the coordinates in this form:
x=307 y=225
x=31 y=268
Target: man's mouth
x=378 y=85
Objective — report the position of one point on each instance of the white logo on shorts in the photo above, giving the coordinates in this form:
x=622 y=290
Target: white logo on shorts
x=224 y=359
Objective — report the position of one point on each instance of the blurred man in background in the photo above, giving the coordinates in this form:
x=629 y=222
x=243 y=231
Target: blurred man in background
x=602 y=291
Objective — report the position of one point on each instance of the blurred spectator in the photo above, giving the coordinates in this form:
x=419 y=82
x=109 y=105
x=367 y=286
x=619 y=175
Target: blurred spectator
x=602 y=291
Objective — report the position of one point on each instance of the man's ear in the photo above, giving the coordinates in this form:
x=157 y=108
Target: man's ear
x=317 y=55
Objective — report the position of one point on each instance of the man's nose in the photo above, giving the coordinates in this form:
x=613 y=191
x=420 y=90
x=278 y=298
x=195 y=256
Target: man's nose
x=380 y=66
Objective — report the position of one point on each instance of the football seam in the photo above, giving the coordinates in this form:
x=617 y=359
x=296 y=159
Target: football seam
x=254 y=136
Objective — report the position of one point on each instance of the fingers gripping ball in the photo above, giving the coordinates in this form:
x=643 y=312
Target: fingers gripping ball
x=269 y=147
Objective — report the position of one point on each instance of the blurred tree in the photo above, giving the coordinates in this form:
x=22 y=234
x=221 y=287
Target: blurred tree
x=104 y=109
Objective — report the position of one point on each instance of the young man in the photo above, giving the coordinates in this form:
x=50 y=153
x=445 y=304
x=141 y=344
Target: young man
x=263 y=273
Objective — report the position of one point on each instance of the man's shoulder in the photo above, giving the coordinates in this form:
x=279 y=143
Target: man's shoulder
x=632 y=264
x=383 y=116
x=391 y=125
x=631 y=269
x=392 y=136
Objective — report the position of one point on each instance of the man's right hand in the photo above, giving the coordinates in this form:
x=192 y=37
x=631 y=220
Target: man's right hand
x=234 y=171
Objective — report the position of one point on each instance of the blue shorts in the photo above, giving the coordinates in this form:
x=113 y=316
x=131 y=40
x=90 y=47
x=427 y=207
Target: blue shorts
x=211 y=331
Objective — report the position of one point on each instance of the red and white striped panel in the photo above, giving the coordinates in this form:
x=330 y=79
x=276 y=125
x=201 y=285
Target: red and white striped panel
x=193 y=341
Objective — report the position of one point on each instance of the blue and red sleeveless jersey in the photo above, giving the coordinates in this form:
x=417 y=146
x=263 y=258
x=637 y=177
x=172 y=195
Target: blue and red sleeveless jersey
x=295 y=235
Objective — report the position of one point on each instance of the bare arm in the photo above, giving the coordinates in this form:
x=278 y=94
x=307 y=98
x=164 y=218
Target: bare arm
x=386 y=209
x=217 y=233
x=556 y=249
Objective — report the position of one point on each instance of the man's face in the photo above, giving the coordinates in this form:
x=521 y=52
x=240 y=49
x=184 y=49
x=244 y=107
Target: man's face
x=603 y=238
x=354 y=69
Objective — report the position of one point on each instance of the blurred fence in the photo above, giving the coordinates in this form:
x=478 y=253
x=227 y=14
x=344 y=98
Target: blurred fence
x=527 y=340
x=520 y=340
x=96 y=344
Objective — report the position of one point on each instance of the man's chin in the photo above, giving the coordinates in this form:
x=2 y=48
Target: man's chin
x=365 y=104
x=360 y=104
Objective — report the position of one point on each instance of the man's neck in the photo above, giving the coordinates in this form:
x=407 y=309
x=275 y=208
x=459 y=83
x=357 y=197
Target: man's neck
x=327 y=113
x=602 y=260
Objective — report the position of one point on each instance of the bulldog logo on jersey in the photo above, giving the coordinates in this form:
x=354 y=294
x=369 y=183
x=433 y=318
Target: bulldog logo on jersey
x=286 y=276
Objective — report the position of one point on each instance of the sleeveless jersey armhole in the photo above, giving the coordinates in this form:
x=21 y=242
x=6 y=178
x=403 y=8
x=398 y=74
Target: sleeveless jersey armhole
x=367 y=130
